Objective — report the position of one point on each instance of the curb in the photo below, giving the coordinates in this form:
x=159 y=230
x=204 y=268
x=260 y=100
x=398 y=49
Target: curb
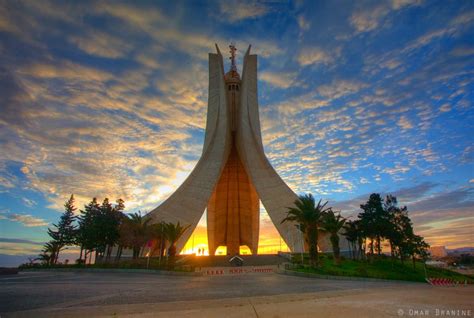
x=114 y=270
x=365 y=279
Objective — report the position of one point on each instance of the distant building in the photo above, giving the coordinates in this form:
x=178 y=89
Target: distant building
x=437 y=264
x=438 y=251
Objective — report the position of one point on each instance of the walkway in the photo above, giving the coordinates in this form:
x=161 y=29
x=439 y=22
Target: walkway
x=90 y=294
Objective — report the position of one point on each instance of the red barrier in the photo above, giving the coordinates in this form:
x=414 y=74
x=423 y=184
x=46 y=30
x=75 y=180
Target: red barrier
x=444 y=282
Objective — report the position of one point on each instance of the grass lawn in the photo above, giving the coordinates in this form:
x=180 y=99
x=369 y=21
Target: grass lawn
x=382 y=268
x=140 y=263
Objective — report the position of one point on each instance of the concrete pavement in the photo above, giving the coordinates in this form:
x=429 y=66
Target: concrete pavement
x=257 y=295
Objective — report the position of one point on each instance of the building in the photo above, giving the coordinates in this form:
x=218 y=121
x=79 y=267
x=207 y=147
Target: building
x=438 y=251
x=233 y=174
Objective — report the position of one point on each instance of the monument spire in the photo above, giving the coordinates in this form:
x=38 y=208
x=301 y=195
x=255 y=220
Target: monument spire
x=232 y=51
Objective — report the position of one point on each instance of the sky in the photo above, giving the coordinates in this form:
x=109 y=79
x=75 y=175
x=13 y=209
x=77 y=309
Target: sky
x=109 y=99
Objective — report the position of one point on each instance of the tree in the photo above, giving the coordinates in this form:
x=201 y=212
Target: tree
x=402 y=231
x=417 y=247
x=48 y=253
x=87 y=234
x=136 y=231
x=99 y=227
x=351 y=232
x=309 y=219
x=124 y=238
x=109 y=221
x=373 y=222
x=157 y=233
x=333 y=224
x=64 y=233
x=173 y=232
x=399 y=228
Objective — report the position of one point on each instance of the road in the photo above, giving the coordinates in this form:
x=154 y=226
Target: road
x=69 y=291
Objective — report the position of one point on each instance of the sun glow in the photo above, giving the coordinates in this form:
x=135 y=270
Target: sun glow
x=270 y=241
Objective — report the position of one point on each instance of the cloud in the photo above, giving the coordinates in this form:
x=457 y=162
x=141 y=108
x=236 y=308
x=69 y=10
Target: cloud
x=297 y=104
x=141 y=17
x=404 y=123
x=66 y=70
x=149 y=58
x=410 y=194
x=369 y=18
x=21 y=241
x=392 y=64
x=280 y=80
x=398 y=4
x=28 y=202
x=7 y=22
x=452 y=29
x=25 y=219
x=6 y=182
x=339 y=154
x=405 y=196
x=459 y=198
x=364 y=181
x=445 y=108
x=452 y=233
x=71 y=143
x=233 y=11
x=14 y=97
x=340 y=88
x=313 y=56
x=462 y=51
x=303 y=23
x=397 y=170
x=465 y=18
x=101 y=44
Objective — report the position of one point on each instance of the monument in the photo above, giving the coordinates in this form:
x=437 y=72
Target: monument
x=233 y=174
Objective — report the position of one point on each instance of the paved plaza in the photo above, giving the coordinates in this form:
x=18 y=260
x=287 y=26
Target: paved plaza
x=67 y=294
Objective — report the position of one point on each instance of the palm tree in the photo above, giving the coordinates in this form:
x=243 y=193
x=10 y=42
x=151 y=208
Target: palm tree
x=173 y=233
x=44 y=258
x=125 y=235
x=49 y=253
x=333 y=224
x=137 y=232
x=309 y=219
x=157 y=233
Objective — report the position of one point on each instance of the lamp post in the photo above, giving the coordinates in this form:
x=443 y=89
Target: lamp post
x=161 y=242
x=302 y=247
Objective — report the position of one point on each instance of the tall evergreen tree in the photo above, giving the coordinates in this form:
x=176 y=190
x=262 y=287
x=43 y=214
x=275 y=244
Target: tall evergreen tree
x=399 y=224
x=99 y=226
x=110 y=219
x=64 y=233
x=87 y=231
x=416 y=246
x=373 y=221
